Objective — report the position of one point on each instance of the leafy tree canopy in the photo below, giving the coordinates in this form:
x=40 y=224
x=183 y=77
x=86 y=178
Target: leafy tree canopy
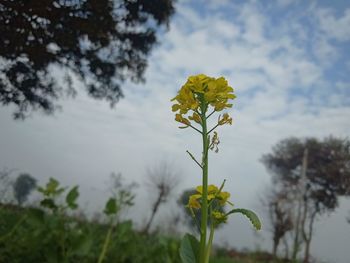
x=328 y=168
x=100 y=42
x=22 y=187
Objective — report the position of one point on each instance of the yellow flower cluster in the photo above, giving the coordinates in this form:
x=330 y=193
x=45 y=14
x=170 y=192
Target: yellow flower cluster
x=198 y=93
x=219 y=217
x=213 y=193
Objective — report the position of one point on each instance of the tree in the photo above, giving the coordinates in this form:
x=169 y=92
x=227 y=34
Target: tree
x=161 y=180
x=316 y=172
x=48 y=45
x=23 y=186
x=279 y=210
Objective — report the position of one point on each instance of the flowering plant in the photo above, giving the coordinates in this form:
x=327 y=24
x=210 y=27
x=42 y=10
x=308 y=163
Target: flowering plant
x=195 y=103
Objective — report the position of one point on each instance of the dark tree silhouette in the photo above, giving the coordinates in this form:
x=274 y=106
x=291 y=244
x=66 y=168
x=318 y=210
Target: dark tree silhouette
x=162 y=181
x=328 y=170
x=316 y=179
x=279 y=211
x=22 y=187
x=47 y=45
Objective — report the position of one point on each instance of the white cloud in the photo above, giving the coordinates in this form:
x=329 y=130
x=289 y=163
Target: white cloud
x=237 y=48
x=334 y=27
x=325 y=51
x=254 y=24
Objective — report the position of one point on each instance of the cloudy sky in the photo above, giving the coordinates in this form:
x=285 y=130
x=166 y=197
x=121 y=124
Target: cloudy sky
x=289 y=64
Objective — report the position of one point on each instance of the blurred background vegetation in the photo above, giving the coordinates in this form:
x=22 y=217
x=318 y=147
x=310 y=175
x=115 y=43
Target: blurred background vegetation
x=50 y=47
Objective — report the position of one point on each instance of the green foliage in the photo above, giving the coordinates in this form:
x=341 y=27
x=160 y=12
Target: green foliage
x=44 y=237
x=52 y=188
x=48 y=203
x=48 y=234
x=72 y=197
x=36 y=240
x=254 y=219
x=189 y=249
x=127 y=30
x=111 y=207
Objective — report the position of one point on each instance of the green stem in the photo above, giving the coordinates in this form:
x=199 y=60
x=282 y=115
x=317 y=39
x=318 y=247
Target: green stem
x=195 y=128
x=204 y=209
x=210 y=242
x=213 y=128
x=210 y=114
x=194 y=159
x=105 y=245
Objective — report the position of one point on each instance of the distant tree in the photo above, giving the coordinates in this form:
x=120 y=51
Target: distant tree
x=278 y=204
x=23 y=186
x=162 y=181
x=46 y=45
x=317 y=172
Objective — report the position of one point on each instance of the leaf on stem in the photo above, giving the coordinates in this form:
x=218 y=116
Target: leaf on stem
x=189 y=249
x=254 y=219
x=71 y=198
x=111 y=207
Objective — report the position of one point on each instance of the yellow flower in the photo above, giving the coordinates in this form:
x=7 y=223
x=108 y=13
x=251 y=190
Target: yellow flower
x=179 y=118
x=225 y=119
x=213 y=193
x=199 y=92
x=223 y=197
x=195 y=117
x=193 y=201
x=198 y=83
x=212 y=189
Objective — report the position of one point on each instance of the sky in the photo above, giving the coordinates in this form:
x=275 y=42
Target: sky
x=289 y=63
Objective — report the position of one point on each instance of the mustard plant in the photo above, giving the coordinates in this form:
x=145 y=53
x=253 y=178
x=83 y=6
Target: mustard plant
x=197 y=101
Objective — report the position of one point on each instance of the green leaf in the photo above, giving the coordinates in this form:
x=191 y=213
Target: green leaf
x=71 y=198
x=189 y=249
x=48 y=203
x=111 y=207
x=52 y=185
x=41 y=190
x=82 y=244
x=36 y=216
x=254 y=219
x=51 y=189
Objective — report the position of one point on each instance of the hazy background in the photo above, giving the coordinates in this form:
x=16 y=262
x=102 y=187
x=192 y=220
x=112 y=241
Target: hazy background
x=288 y=62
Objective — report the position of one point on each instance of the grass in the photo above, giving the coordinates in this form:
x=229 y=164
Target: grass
x=31 y=235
